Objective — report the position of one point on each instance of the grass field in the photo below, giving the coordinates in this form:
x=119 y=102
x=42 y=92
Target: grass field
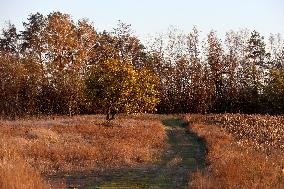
x=242 y=151
x=64 y=145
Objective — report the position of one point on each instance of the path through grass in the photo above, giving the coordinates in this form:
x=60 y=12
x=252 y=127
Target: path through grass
x=186 y=154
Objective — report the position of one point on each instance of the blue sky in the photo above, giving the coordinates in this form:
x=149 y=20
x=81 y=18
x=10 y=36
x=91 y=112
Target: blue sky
x=154 y=16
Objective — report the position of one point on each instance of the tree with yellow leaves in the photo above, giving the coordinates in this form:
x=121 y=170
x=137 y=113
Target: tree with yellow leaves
x=117 y=87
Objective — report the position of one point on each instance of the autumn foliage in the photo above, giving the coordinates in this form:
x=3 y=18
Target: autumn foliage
x=116 y=87
x=60 y=66
x=51 y=68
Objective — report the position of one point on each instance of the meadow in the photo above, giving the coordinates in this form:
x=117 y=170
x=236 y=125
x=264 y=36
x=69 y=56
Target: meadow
x=242 y=151
x=33 y=149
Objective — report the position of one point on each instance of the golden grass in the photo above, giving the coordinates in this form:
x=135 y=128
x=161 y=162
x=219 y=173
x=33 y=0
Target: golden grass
x=83 y=143
x=263 y=132
x=233 y=163
x=15 y=173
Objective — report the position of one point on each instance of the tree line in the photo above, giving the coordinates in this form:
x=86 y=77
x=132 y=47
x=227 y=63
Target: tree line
x=59 y=66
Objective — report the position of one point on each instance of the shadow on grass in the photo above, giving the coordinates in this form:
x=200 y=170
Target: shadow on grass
x=186 y=143
x=175 y=122
x=185 y=154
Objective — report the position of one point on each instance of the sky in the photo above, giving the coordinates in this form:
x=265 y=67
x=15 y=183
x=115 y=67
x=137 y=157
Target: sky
x=148 y=17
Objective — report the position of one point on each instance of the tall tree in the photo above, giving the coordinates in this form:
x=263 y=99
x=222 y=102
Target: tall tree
x=61 y=40
x=215 y=59
x=33 y=58
x=274 y=90
x=199 y=95
x=254 y=71
x=9 y=42
x=11 y=72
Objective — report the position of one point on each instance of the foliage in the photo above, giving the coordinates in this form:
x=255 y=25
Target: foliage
x=274 y=92
x=44 y=69
x=117 y=87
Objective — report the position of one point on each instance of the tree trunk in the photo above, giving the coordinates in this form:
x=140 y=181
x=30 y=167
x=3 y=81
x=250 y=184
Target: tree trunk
x=111 y=112
x=70 y=109
x=107 y=116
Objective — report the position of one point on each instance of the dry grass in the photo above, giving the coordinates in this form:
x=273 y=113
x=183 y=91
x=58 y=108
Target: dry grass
x=15 y=173
x=265 y=133
x=234 y=163
x=82 y=143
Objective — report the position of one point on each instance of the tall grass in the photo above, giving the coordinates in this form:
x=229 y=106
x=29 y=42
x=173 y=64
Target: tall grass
x=64 y=145
x=234 y=157
x=15 y=173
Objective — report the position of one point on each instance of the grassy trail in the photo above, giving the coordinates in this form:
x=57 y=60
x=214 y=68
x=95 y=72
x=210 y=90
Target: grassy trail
x=185 y=154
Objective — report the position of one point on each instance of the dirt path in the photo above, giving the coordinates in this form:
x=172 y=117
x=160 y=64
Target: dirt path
x=186 y=154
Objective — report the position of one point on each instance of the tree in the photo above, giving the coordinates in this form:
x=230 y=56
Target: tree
x=87 y=39
x=33 y=37
x=200 y=91
x=116 y=87
x=11 y=73
x=65 y=62
x=11 y=82
x=33 y=52
x=274 y=92
x=120 y=44
x=9 y=43
x=235 y=45
x=128 y=46
x=171 y=64
x=254 y=72
x=217 y=69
